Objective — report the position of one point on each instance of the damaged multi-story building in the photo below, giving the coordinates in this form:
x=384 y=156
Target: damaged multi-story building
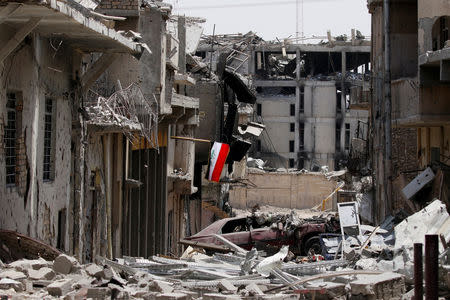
x=409 y=111
x=91 y=96
x=304 y=96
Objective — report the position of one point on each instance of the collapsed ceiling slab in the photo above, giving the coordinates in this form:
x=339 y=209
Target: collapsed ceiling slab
x=70 y=21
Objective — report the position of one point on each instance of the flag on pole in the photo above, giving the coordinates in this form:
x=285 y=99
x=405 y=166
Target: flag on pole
x=219 y=153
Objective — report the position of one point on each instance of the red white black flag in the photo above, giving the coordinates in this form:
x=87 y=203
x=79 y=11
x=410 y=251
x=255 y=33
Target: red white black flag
x=219 y=154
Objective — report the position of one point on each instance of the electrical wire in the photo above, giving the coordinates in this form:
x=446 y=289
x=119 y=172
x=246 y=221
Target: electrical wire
x=249 y=4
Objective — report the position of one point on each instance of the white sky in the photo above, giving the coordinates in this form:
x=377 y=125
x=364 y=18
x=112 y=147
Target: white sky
x=277 y=18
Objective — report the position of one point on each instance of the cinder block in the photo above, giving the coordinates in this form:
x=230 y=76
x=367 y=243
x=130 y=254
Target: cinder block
x=64 y=264
x=60 y=287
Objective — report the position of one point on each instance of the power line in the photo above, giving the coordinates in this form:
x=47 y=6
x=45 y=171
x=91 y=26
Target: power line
x=248 y=4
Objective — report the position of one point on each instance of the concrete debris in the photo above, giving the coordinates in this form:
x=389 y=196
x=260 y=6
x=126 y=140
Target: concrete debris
x=64 y=264
x=377 y=271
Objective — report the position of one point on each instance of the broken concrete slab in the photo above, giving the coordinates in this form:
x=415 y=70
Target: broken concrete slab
x=98 y=292
x=6 y=283
x=94 y=270
x=160 y=286
x=254 y=290
x=11 y=274
x=60 y=287
x=226 y=286
x=173 y=296
x=64 y=264
x=382 y=286
x=426 y=221
x=44 y=273
x=213 y=296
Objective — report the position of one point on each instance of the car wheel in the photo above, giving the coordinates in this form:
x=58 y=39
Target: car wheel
x=314 y=244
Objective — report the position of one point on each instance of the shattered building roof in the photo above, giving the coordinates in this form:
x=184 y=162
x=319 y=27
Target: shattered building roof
x=80 y=26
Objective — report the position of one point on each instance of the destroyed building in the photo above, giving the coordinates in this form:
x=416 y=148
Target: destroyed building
x=90 y=103
x=408 y=107
x=304 y=95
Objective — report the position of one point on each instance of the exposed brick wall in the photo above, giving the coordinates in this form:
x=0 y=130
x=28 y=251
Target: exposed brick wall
x=404 y=158
x=119 y=4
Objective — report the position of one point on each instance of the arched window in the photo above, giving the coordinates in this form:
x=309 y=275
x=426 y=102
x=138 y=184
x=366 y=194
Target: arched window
x=440 y=32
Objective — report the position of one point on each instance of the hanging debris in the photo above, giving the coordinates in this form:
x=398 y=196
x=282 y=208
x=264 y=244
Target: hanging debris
x=128 y=111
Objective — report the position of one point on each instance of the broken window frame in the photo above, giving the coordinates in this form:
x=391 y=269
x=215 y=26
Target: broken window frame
x=292 y=110
x=338 y=138
x=291 y=127
x=291 y=163
x=301 y=134
x=302 y=100
x=347 y=136
x=48 y=156
x=291 y=146
x=258 y=145
x=10 y=139
x=258 y=109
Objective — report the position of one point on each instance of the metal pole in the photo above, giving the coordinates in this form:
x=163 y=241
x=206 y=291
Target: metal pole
x=212 y=50
x=418 y=271
x=431 y=266
x=387 y=107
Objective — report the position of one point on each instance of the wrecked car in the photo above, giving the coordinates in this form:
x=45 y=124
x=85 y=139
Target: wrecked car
x=269 y=236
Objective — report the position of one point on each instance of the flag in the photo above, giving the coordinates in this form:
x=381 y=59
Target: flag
x=219 y=153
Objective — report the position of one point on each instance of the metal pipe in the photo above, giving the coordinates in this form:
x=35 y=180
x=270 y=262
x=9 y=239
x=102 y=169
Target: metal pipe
x=387 y=107
x=431 y=266
x=418 y=271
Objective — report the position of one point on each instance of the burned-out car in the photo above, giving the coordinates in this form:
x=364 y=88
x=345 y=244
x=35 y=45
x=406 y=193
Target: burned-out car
x=269 y=235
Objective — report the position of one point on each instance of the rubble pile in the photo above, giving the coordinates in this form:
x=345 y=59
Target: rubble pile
x=243 y=275
x=378 y=264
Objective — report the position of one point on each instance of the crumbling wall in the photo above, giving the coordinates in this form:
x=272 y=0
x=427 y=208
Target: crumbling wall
x=35 y=71
x=428 y=13
x=287 y=190
x=119 y=4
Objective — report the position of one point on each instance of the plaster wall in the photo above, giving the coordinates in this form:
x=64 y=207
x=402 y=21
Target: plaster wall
x=38 y=71
x=289 y=190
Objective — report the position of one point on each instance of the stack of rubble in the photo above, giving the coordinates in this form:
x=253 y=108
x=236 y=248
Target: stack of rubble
x=379 y=268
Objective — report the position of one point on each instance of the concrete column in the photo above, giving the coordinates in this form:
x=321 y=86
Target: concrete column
x=182 y=44
x=343 y=71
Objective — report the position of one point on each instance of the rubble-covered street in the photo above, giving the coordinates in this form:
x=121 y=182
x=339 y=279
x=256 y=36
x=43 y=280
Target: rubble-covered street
x=379 y=264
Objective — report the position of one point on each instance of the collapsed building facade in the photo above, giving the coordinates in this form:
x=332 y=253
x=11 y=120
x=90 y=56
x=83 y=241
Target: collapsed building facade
x=408 y=107
x=303 y=96
x=90 y=102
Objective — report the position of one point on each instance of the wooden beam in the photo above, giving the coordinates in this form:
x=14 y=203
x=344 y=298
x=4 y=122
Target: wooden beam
x=97 y=69
x=12 y=44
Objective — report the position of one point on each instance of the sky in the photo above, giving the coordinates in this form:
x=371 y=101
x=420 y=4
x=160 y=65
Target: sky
x=273 y=19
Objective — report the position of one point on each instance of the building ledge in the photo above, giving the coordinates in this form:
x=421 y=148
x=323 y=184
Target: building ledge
x=73 y=22
x=422 y=120
x=184 y=79
x=433 y=58
x=185 y=101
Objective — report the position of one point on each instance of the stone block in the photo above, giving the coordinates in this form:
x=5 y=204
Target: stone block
x=94 y=270
x=11 y=274
x=160 y=286
x=6 y=284
x=382 y=286
x=76 y=295
x=173 y=296
x=60 y=287
x=98 y=292
x=44 y=273
x=64 y=264
x=107 y=273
